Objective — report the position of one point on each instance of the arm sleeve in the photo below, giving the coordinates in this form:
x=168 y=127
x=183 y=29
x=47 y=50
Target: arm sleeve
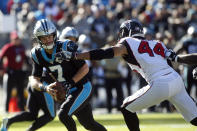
x=99 y=54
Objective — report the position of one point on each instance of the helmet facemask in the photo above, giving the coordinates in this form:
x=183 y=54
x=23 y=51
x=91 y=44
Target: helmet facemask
x=122 y=33
x=50 y=45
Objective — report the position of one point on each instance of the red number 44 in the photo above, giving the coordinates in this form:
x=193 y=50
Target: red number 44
x=144 y=48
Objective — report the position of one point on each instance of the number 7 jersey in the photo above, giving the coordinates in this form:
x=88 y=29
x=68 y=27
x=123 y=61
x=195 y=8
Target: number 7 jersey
x=147 y=57
x=61 y=70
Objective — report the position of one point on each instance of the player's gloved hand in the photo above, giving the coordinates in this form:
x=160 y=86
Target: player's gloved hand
x=170 y=55
x=194 y=72
x=65 y=55
x=68 y=85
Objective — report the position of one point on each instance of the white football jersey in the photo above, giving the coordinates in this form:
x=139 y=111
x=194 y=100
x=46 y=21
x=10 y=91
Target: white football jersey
x=146 y=57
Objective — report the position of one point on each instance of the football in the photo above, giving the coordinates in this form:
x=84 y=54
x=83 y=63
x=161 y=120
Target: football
x=61 y=92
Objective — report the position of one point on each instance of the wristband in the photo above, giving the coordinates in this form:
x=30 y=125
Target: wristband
x=43 y=88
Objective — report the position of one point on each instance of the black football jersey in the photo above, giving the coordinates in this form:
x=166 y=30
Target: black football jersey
x=61 y=70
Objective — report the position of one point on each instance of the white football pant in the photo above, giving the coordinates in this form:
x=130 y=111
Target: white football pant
x=167 y=87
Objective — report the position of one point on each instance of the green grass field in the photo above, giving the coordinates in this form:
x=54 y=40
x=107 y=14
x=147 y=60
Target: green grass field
x=115 y=122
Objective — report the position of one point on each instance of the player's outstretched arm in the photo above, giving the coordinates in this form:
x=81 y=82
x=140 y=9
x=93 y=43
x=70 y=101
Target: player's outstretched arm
x=190 y=59
x=96 y=54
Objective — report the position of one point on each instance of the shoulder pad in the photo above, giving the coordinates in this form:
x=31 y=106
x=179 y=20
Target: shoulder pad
x=69 y=45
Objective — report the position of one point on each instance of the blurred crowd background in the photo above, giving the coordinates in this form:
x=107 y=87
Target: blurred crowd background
x=174 y=22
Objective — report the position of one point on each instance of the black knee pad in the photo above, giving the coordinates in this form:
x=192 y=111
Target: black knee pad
x=194 y=121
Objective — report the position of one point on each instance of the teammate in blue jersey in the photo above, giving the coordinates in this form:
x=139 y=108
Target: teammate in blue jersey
x=37 y=100
x=72 y=73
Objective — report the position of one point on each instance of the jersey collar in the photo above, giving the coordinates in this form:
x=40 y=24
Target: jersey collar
x=46 y=57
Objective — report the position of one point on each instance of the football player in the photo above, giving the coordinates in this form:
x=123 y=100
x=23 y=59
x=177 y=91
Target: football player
x=37 y=100
x=148 y=58
x=69 y=33
x=71 y=73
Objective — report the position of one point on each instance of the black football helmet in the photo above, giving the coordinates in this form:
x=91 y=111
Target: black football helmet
x=130 y=28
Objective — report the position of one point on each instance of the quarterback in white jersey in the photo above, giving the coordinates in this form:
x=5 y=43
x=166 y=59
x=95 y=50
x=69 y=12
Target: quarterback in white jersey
x=148 y=58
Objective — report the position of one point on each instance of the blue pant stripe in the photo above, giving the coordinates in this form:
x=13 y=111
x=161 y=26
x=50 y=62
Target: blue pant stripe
x=85 y=93
x=49 y=102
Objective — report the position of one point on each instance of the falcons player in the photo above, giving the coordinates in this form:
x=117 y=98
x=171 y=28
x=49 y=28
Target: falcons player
x=148 y=58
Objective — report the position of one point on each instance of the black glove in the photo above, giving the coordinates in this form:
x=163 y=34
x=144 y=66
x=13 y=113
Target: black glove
x=68 y=85
x=65 y=55
x=170 y=55
x=194 y=72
